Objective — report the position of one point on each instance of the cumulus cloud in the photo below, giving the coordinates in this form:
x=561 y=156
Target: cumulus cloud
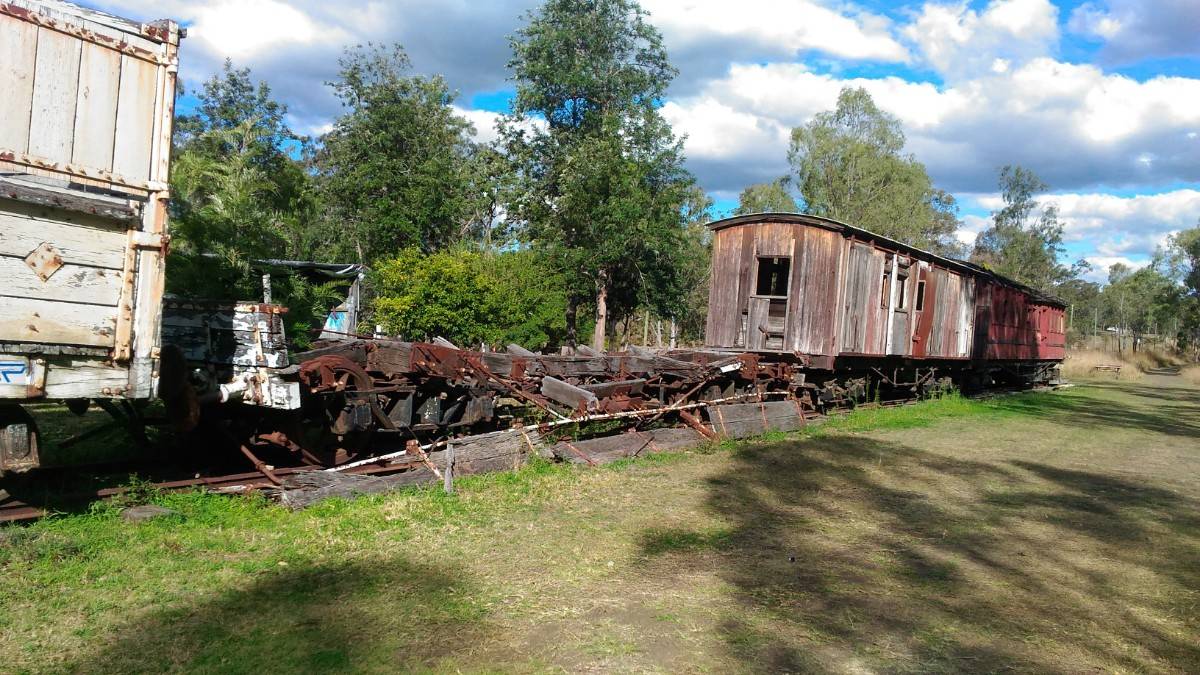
x=1133 y=30
x=1108 y=228
x=959 y=42
x=294 y=45
x=781 y=28
x=1074 y=125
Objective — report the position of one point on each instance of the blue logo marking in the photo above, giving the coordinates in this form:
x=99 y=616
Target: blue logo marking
x=10 y=369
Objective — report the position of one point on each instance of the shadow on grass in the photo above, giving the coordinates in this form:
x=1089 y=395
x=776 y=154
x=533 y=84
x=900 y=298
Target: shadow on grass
x=849 y=553
x=387 y=616
x=1168 y=410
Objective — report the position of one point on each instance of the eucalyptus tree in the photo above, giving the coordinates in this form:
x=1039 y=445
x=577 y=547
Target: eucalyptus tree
x=772 y=197
x=600 y=184
x=848 y=164
x=1025 y=239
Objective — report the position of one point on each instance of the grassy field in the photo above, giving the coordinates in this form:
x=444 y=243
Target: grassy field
x=1040 y=533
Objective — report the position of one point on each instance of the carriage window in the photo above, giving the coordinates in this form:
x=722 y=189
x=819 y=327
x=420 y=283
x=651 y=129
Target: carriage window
x=920 y=295
x=884 y=291
x=773 y=276
x=902 y=288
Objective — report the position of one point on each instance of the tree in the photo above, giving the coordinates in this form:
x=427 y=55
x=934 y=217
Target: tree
x=1019 y=245
x=600 y=178
x=847 y=164
x=770 y=197
x=239 y=195
x=470 y=297
x=397 y=169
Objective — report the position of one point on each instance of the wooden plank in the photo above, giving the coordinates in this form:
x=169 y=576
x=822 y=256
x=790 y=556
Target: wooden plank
x=742 y=420
x=135 y=118
x=606 y=389
x=18 y=52
x=390 y=357
x=82 y=378
x=96 y=109
x=518 y=350
x=568 y=394
x=83 y=240
x=756 y=324
x=55 y=86
x=57 y=322
x=71 y=283
x=63 y=200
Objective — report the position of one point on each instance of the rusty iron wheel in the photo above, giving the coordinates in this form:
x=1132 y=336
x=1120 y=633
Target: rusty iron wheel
x=336 y=421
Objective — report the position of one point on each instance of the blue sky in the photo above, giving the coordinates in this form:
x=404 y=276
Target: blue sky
x=1100 y=98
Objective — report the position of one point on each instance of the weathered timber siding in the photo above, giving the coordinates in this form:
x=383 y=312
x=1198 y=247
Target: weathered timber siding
x=1021 y=328
x=813 y=317
x=83 y=93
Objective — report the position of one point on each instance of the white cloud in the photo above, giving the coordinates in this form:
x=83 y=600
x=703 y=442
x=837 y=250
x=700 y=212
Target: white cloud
x=958 y=41
x=780 y=27
x=1074 y=125
x=1127 y=223
x=1109 y=228
x=483 y=121
x=243 y=29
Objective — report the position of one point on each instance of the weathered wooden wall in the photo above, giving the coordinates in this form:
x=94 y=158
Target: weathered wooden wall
x=84 y=93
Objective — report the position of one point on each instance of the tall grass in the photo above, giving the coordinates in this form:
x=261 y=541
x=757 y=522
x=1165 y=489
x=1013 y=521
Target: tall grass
x=1081 y=364
x=1191 y=374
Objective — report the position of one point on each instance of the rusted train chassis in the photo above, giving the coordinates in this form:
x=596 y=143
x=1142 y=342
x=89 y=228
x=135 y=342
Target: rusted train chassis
x=363 y=398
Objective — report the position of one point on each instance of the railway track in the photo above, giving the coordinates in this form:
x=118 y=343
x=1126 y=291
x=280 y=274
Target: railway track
x=14 y=510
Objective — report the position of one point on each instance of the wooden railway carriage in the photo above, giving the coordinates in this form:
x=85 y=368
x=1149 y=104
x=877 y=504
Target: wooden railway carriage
x=85 y=136
x=842 y=299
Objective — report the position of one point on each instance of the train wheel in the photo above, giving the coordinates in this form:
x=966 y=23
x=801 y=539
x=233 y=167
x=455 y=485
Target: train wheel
x=338 y=415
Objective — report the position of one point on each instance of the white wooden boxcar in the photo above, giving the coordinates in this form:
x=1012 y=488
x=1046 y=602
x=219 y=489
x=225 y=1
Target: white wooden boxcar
x=85 y=135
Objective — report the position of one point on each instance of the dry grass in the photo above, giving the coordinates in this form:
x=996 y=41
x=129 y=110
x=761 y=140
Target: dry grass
x=1082 y=365
x=1191 y=374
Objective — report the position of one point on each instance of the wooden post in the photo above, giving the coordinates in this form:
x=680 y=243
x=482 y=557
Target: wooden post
x=601 y=316
x=266 y=281
x=674 y=332
x=448 y=474
x=646 y=329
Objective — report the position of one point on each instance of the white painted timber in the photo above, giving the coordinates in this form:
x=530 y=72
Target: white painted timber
x=64 y=323
x=96 y=106
x=70 y=283
x=18 y=49
x=83 y=239
x=135 y=118
x=56 y=82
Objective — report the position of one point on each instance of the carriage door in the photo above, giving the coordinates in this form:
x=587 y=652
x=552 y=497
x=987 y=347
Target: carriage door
x=767 y=313
x=898 y=338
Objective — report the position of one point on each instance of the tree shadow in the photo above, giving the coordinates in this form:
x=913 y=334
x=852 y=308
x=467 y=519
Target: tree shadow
x=1171 y=412
x=851 y=553
x=388 y=615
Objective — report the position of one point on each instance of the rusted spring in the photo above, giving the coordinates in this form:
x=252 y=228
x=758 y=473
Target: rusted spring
x=261 y=465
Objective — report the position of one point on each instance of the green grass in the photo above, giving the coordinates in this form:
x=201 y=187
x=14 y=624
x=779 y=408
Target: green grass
x=1040 y=532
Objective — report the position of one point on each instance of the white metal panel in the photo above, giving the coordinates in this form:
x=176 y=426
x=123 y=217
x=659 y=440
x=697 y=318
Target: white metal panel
x=96 y=106
x=56 y=82
x=18 y=50
x=135 y=118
